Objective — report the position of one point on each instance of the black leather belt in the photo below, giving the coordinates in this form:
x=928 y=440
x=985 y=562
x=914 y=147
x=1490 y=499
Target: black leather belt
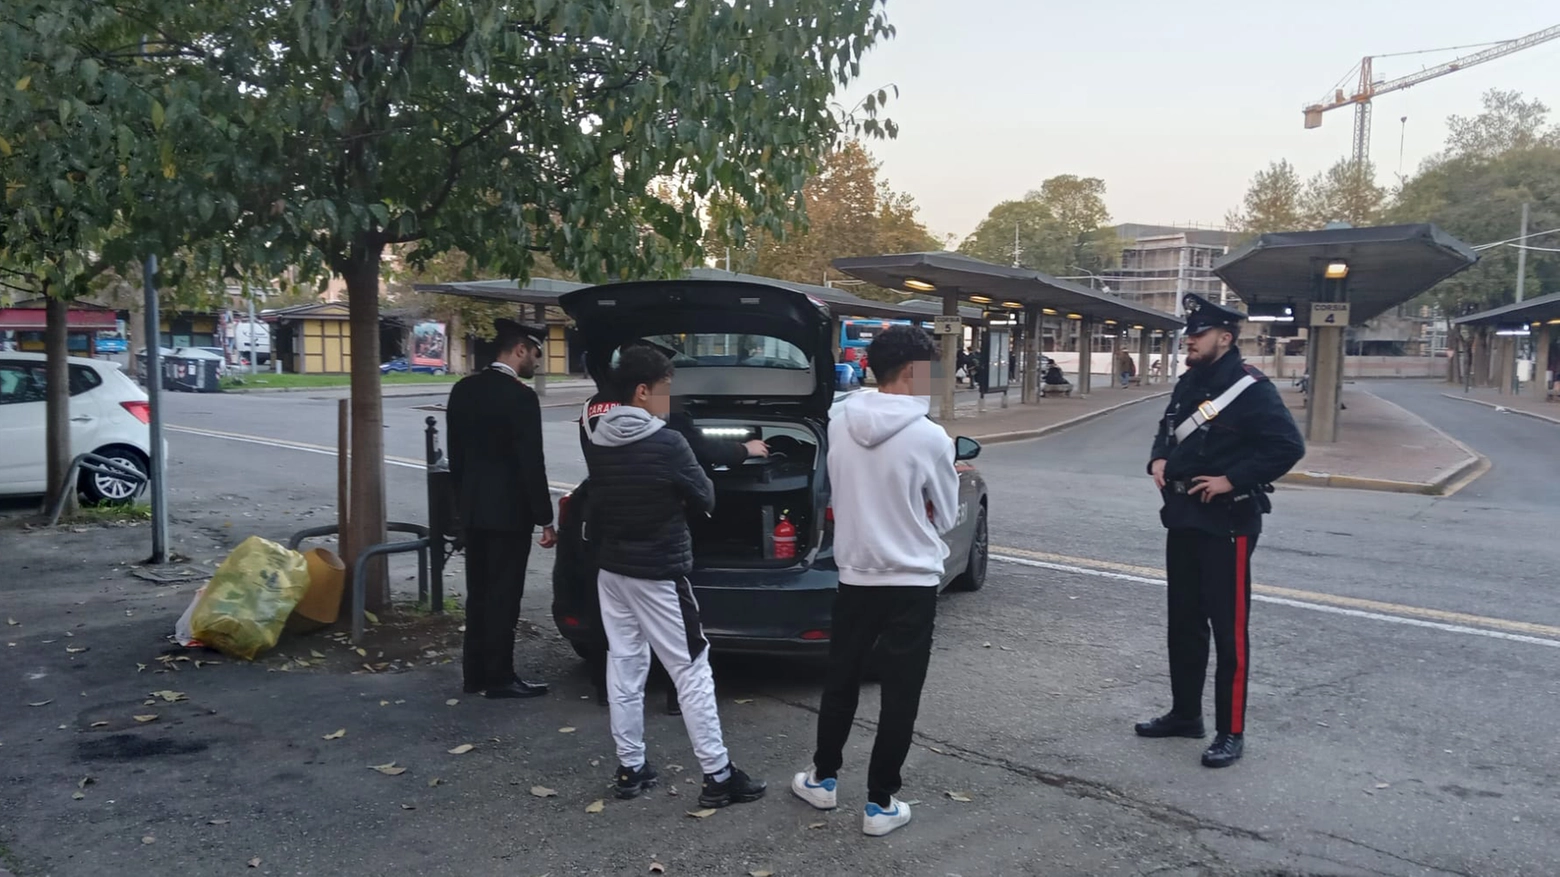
x=1185 y=488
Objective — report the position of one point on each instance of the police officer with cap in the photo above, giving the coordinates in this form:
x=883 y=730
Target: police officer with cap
x=500 y=479
x=1225 y=438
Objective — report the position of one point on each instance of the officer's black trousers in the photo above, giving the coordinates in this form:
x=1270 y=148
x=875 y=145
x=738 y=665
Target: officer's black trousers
x=495 y=581
x=1209 y=586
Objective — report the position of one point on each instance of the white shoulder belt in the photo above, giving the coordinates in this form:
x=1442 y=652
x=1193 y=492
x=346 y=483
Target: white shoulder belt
x=1209 y=410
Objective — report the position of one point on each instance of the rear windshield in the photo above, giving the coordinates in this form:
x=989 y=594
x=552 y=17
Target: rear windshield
x=688 y=351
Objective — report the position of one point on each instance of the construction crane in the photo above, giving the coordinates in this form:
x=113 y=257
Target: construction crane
x=1369 y=88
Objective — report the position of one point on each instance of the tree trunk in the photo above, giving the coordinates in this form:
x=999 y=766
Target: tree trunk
x=57 y=401
x=1454 y=350
x=367 y=504
x=1481 y=358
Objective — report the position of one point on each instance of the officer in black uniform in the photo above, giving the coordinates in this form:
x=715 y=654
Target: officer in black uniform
x=1225 y=438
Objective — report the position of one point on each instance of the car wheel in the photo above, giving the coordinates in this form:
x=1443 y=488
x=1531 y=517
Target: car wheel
x=974 y=576
x=438 y=372
x=107 y=489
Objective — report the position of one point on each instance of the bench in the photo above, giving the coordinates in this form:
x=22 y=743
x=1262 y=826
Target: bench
x=1055 y=390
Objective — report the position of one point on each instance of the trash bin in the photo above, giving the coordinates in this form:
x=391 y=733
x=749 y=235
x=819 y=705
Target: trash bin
x=192 y=374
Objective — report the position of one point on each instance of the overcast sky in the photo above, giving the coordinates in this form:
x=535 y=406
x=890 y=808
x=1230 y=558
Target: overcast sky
x=1174 y=105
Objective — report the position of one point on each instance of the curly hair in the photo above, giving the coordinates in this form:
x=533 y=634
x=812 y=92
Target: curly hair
x=897 y=347
x=639 y=365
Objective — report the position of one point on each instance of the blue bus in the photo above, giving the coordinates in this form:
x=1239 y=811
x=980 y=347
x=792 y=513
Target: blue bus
x=857 y=333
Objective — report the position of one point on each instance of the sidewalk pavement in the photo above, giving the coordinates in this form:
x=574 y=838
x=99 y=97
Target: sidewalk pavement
x=1018 y=422
x=1381 y=447
x=1530 y=403
x=553 y=384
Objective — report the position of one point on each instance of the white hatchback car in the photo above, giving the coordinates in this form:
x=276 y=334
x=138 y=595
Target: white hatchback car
x=109 y=415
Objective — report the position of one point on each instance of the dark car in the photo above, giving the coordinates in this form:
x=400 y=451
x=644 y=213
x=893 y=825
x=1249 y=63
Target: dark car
x=753 y=361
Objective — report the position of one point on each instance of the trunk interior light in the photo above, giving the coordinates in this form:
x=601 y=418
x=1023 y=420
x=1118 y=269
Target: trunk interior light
x=741 y=432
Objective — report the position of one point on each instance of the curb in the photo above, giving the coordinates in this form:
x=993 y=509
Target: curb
x=1441 y=486
x=444 y=390
x=1503 y=408
x=1025 y=434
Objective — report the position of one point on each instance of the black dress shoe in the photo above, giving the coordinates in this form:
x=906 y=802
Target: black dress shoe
x=1172 y=725
x=472 y=688
x=673 y=708
x=601 y=697
x=514 y=690
x=538 y=687
x=1225 y=751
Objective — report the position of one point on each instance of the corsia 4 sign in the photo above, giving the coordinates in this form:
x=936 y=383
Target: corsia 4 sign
x=1329 y=313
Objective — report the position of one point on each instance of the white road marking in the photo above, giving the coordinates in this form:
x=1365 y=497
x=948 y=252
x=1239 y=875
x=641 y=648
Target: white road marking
x=305 y=447
x=1297 y=604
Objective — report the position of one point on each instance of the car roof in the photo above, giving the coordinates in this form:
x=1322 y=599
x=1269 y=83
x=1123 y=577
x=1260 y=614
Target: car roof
x=73 y=360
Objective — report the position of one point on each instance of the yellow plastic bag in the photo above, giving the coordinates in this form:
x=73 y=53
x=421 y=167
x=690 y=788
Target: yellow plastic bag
x=247 y=601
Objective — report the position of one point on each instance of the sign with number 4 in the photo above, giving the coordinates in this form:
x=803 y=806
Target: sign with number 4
x=1328 y=313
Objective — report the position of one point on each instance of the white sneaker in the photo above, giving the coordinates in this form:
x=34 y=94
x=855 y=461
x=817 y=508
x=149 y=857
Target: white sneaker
x=819 y=793
x=878 y=821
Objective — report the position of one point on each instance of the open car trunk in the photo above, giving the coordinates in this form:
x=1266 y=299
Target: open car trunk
x=751 y=498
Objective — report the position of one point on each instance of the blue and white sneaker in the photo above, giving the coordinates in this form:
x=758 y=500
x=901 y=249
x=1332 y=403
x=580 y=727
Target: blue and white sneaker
x=819 y=793
x=877 y=821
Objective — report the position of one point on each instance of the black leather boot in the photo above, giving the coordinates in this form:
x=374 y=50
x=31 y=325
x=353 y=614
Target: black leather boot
x=1225 y=751
x=1172 y=725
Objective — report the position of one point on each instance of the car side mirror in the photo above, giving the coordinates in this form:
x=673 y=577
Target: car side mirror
x=965 y=448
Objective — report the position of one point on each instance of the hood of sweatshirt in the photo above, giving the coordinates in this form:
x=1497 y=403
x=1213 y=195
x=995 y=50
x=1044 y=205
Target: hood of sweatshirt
x=874 y=418
x=624 y=425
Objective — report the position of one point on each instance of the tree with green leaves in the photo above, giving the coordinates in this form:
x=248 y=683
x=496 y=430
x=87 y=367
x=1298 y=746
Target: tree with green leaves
x=1059 y=229
x=1345 y=192
x=1272 y=203
x=502 y=128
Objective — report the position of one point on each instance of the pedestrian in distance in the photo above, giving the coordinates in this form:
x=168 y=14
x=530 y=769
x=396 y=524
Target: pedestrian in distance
x=645 y=481
x=895 y=492
x=1224 y=439
x=500 y=479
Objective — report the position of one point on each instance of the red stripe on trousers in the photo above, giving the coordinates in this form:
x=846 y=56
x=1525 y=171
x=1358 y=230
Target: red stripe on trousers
x=1238 y=695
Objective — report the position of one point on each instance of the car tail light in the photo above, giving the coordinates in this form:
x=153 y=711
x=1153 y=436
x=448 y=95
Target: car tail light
x=815 y=634
x=828 y=514
x=569 y=621
x=563 y=508
x=141 y=411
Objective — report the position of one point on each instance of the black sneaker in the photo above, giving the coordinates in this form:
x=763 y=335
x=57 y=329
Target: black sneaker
x=633 y=783
x=739 y=788
x=1172 y=725
x=1225 y=751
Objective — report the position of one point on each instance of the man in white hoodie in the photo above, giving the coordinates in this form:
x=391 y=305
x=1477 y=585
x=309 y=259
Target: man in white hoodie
x=894 y=491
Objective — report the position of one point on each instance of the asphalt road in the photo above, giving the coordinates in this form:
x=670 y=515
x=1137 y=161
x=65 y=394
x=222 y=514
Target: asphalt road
x=1403 y=689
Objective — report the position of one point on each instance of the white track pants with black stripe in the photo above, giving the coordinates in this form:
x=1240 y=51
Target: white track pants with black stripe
x=641 y=614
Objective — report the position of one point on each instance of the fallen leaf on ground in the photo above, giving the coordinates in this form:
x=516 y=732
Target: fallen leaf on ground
x=566 y=730
x=985 y=645
x=336 y=736
x=452 y=701
x=435 y=782
x=744 y=700
x=596 y=806
x=42 y=702
x=146 y=718
x=140 y=667
x=675 y=768
x=408 y=806
x=702 y=814
x=170 y=696
x=362 y=652
x=595 y=762
x=1383 y=785
x=816 y=825
x=12 y=621
x=384 y=703
x=671 y=790
x=216 y=822
x=462 y=749
x=388 y=769
x=543 y=792
x=79 y=795
x=761 y=874
x=960 y=797
x=657 y=868
x=301 y=662
x=1006 y=649
x=913 y=802
x=255 y=862
x=148 y=840
x=316 y=653
x=84 y=782
x=936 y=750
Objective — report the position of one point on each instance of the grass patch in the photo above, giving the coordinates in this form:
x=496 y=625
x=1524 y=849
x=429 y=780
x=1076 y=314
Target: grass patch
x=451 y=607
x=264 y=381
x=107 y=513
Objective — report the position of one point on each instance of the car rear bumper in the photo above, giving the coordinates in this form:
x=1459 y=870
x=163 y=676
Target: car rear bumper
x=786 y=614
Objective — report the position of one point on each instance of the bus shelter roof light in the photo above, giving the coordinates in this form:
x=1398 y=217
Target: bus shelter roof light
x=919 y=285
x=1337 y=270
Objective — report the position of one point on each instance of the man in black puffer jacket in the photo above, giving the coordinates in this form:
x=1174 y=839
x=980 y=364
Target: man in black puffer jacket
x=644 y=482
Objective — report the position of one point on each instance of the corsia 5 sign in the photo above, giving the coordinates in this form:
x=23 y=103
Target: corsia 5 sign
x=1329 y=313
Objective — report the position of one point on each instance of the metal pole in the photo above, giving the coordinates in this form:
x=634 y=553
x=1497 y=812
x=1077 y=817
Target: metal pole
x=158 y=487
x=1522 y=254
x=252 y=367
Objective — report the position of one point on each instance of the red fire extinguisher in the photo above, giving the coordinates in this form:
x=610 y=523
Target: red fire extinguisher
x=785 y=538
